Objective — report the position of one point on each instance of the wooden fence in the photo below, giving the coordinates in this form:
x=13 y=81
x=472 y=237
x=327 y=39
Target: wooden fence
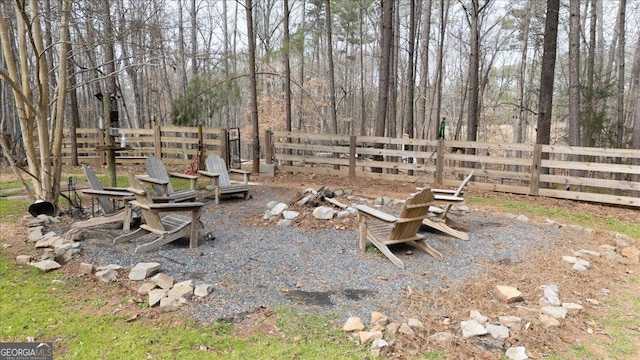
x=173 y=144
x=578 y=173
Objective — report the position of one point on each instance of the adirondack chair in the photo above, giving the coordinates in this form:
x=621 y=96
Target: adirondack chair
x=440 y=221
x=170 y=227
x=159 y=178
x=105 y=197
x=220 y=180
x=383 y=229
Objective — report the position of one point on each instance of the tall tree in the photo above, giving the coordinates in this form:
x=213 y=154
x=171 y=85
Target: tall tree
x=332 y=76
x=574 y=73
x=621 y=52
x=253 y=87
x=287 y=67
x=424 y=69
x=547 y=72
x=386 y=45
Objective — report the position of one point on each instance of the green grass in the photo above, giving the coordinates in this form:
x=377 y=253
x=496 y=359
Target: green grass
x=10 y=210
x=563 y=215
x=35 y=306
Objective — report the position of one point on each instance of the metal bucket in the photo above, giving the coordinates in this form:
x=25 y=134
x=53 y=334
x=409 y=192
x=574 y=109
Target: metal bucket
x=41 y=207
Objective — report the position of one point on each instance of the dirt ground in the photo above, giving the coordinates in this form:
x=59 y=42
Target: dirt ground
x=442 y=309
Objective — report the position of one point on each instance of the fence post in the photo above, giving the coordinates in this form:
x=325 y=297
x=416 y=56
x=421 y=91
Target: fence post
x=200 y=150
x=100 y=143
x=534 y=183
x=268 y=147
x=157 y=140
x=224 y=147
x=352 y=156
x=439 y=162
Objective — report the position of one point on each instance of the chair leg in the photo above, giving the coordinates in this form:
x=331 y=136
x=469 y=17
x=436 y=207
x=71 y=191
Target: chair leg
x=385 y=250
x=441 y=226
x=431 y=251
x=162 y=240
x=455 y=224
x=363 y=234
x=126 y=237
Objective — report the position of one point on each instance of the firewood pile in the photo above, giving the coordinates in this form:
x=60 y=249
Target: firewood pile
x=315 y=198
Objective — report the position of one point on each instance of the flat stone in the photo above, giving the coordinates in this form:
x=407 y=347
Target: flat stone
x=169 y=304
x=475 y=315
x=203 y=290
x=569 y=259
x=143 y=270
x=62 y=248
x=632 y=253
x=572 y=307
x=415 y=324
x=353 y=323
x=586 y=253
x=392 y=328
x=508 y=294
x=267 y=215
x=497 y=331
x=323 y=213
x=145 y=288
x=557 y=312
x=369 y=336
x=579 y=267
x=522 y=218
x=181 y=291
x=107 y=275
x=406 y=329
x=548 y=321
x=605 y=248
x=109 y=267
x=443 y=336
x=514 y=323
x=46 y=265
x=271 y=204
x=471 y=328
x=86 y=268
x=551 y=296
x=162 y=280
x=378 y=318
x=343 y=214
x=35 y=234
x=42 y=243
x=47 y=254
x=290 y=215
x=74 y=234
x=184 y=283
x=553 y=223
x=377 y=345
x=23 y=259
x=516 y=353
x=278 y=209
x=156 y=295
x=284 y=222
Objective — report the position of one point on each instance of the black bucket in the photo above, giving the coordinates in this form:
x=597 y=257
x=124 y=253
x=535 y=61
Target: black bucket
x=41 y=207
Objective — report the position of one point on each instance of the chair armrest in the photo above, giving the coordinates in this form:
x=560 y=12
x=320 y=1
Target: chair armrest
x=107 y=193
x=208 y=174
x=192 y=178
x=153 y=181
x=167 y=207
x=246 y=174
x=380 y=215
x=113 y=188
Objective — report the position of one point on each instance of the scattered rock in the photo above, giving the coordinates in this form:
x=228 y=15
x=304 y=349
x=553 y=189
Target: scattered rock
x=163 y=281
x=290 y=215
x=142 y=271
x=369 y=336
x=475 y=315
x=284 y=222
x=443 y=336
x=508 y=294
x=557 y=312
x=514 y=323
x=548 y=321
x=107 y=275
x=378 y=318
x=572 y=307
x=406 y=329
x=323 y=213
x=168 y=304
x=353 y=323
x=551 y=296
x=516 y=353
x=278 y=209
x=145 y=288
x=156 y=295
x=471 y=328
x=74 y=234
x=632 y=253
x=497 y=331
x=522 y=218
x=377 y=345
x=415 y=324
x=86 y=268
x=586 y=253
x=46 y=265
x=579 y=267
x=203 y=290
x=23 y=259
x=181 y=290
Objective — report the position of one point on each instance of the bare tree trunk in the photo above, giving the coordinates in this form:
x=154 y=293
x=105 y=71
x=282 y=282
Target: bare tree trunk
x=386 y=41
x=424 y=71
x=332 y=77
x=589 y=111
x=73 y=104
x=574 y=73
x=444 y=15
x=194 y=39
x=301 y=74
x=410 y=75
x=287 y=68
x=522 y=123
x=621 y=49
x=547 y=72
x=181 y=49
x=253 y=87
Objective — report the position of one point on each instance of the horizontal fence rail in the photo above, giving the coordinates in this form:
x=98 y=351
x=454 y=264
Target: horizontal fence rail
x=176 y=145
x=610 y=176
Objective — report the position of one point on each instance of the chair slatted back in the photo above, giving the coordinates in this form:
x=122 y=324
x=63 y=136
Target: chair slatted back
x=152 y=219
x=157 y=170
x=216 y=164
x=105 y=204
x=415 y=208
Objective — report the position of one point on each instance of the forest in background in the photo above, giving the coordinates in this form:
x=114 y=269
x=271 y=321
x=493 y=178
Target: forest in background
x=529 y=71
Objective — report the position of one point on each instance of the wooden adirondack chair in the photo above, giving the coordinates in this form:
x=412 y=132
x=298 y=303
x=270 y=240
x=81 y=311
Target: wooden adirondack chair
x=383 y=229
x=170 y=227
x=159 y=177
x=105 y=197
x=440 y=221
x=220 y=180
